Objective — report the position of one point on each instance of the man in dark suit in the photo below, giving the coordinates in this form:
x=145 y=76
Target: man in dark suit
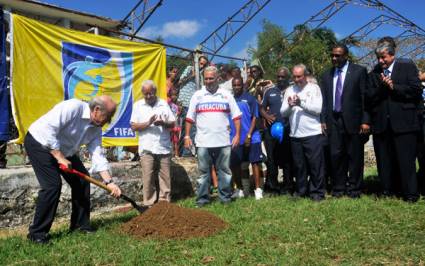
x=392 y=98
x=345 y=121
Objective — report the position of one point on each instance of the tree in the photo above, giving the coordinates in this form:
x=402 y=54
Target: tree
x=310 y=47
x=271 y=44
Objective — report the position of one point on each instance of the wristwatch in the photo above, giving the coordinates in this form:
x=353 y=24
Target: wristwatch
x=110 y=181
x=248 y=136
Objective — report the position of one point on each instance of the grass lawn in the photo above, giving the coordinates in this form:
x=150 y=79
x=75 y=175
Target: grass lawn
x=273 y=231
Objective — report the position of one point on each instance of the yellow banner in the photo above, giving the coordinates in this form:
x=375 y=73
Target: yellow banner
x=51 y=64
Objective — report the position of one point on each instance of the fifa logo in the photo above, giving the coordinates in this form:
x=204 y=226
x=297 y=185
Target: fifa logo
x=89 y=71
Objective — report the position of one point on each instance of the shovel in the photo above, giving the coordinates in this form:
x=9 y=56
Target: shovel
x=101 y=185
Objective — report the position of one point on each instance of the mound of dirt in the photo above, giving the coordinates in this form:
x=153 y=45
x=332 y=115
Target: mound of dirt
x=169 y=221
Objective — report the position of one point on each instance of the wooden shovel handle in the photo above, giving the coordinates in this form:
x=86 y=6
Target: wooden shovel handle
x=85 y=177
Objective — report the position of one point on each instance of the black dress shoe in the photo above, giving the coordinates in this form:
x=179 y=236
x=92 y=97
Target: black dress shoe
x=317 y=198
x=41 y=240
x=338 y=195
x=354 y=195
x=411 y=200
x=85 y=230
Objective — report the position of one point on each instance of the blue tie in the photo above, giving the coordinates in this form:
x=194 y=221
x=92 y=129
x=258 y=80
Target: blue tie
x=338 y=92
x=387 y=72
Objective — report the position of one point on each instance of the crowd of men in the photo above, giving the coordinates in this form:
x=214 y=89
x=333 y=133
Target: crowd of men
x=315 y=132
x=326 y=126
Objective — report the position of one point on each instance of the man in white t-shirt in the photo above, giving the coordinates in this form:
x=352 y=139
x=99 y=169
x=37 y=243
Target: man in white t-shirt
x=302 y=103
x=152 y=118
x=210 y=108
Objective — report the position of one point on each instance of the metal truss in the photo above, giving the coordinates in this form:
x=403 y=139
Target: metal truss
x=322 y=16
x=374 y=24
x=389 y=16
x=138 y=16
x=226 y=31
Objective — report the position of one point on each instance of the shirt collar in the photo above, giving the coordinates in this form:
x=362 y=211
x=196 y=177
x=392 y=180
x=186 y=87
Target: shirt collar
x=86 y=111
x=343 y=69
x=390 y=68
x=158 y=103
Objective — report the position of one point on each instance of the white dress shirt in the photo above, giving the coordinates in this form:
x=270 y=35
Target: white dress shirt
x=66 y=127
x=153 y=139
x=343 y=74
x=305 y=118
x=390 y=69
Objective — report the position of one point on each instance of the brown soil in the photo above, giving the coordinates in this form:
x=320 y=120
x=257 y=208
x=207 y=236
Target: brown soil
x=169 y=221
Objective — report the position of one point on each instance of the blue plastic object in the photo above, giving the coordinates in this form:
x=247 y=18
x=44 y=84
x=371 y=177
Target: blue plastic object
x=277 y=131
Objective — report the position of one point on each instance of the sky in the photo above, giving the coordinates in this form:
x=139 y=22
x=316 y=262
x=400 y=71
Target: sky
x=186 y=23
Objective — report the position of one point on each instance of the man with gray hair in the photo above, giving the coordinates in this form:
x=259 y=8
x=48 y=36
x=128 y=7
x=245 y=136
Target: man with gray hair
x=153 y=119
x=210 y=108
x=392 y=98
x=55 y=139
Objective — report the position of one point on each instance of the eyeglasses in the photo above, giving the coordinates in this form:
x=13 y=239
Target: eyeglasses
x=336 y=55
x=282 y=77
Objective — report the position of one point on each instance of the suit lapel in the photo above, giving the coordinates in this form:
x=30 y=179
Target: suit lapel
x=396 y=70
x=331 y=88
x=348 y=77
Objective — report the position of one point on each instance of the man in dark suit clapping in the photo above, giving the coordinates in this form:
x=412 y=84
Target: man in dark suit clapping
x=392 y=98
x=345 y=121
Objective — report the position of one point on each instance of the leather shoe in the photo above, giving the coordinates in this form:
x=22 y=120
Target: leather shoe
x=86 y=230
x=40 y=240
x=411 y=200
x=317 y=198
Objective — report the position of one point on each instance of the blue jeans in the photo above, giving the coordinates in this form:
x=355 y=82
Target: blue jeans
x=220 y=158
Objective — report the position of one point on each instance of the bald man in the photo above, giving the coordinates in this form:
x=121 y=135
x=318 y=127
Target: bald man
x=56 y=138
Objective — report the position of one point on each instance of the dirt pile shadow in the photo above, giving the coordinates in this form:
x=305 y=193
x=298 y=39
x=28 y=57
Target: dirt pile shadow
x=169 y=221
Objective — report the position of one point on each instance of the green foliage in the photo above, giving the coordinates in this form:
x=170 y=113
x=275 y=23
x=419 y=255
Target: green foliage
x=421 y=64
x=312 y=52
x=270 y=48
x=310 y=47
x=178 y=61
x=273 y=231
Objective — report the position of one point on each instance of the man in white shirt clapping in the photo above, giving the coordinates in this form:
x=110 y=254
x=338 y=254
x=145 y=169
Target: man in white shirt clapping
x=153 y=119
x=302 y=103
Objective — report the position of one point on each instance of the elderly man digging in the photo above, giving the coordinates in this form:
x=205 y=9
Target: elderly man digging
x=54 y=139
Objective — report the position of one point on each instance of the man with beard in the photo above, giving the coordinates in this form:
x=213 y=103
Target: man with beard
x=210 y=108
x=346 y=121
x=278 y=153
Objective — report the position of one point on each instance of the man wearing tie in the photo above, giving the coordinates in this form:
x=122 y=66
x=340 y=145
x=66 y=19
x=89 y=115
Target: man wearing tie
x=345 y=121
x=393 y=96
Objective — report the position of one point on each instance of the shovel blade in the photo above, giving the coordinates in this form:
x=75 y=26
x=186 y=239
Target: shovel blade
x=140 y=209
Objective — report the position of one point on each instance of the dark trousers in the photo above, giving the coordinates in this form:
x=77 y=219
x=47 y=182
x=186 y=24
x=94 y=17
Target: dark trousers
x=3 y=147
x=49 y=176
x=184 y=151
x=278 y=154
x=397 y=151
x=347 y=159
x=309 y=160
